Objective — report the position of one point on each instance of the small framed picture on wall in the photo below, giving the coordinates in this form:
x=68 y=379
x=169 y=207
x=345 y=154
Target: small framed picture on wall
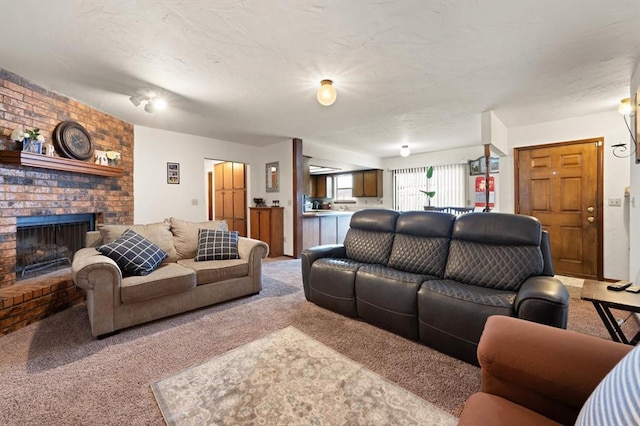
x=173 y=173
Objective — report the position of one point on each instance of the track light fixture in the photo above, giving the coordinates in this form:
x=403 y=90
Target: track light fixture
x=627 y=109
x=153 y=102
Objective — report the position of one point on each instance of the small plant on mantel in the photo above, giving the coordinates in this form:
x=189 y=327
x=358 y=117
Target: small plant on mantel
x=429 y=194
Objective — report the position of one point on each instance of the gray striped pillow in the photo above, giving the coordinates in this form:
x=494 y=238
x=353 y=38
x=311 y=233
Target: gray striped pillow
x=616 y=399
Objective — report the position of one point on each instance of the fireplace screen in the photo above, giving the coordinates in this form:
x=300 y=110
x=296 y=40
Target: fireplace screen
x=48 y=243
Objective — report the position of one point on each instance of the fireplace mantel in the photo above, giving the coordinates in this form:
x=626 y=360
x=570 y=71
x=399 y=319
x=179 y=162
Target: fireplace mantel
x=58 y=163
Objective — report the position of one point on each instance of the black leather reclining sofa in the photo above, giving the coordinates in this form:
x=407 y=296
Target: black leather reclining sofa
x=437 y=278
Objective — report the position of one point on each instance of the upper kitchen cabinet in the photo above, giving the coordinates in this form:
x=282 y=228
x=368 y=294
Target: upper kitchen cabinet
x=367 y=183
x=321 y=186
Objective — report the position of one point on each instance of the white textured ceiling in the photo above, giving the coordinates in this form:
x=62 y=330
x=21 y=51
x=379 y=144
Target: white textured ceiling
x=411 y=72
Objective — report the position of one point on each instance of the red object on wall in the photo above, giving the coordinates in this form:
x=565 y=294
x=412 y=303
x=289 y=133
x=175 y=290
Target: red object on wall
x=480 y=194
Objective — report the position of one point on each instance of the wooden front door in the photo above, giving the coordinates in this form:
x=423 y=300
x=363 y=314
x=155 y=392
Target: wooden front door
x=561 y=185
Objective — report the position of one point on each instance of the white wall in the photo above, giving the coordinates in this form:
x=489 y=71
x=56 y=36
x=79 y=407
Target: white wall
x=282 y=153
x=634 y=199
x=154 y=198
x=609 y=125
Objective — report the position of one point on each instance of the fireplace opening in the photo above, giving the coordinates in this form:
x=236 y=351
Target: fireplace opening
x=47 y=243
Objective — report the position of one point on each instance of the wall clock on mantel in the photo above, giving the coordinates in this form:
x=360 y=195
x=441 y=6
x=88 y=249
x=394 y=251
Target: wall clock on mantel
x=73 y=141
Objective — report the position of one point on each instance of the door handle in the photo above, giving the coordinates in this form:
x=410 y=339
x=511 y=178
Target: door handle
x=591 y=209
x=590 y=219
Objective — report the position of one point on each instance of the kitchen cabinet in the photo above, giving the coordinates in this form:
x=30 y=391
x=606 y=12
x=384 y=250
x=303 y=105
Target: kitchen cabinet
x=321 y=186
x=267 y=224
x=343 y=222
x=328 y=230
x=367 y=183
x=310 y=231
x=324 y=229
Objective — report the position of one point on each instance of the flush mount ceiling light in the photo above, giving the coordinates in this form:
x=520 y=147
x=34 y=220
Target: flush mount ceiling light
x=405 y=151
x=326 y=93
x=153 y=102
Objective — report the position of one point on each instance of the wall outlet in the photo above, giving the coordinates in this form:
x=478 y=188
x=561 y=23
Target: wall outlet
x=615 y=202
x=194 y=202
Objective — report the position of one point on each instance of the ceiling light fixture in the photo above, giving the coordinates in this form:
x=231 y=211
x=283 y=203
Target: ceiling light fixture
x=627 y=110
x=152 y=104
x=326 y=93
x=405 y=151
x=625 y=106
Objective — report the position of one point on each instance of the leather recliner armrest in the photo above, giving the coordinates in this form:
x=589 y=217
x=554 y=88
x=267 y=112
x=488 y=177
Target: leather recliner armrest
x=544 y=300
x=310 y=255
x=548 y=370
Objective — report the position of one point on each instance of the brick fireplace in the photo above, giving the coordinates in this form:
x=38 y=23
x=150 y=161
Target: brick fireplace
x=28 y=191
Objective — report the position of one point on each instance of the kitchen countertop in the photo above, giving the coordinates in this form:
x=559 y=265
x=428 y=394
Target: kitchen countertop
x=317 y=213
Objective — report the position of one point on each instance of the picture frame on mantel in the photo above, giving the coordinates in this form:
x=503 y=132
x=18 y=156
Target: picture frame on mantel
x=173 y=173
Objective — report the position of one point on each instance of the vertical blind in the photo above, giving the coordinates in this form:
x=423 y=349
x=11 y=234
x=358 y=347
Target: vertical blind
x=450 y=182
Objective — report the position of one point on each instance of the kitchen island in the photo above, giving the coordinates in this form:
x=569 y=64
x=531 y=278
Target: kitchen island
x=320 y=227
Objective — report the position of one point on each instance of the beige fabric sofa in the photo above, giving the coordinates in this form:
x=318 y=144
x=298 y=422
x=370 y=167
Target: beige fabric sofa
x=180 y=284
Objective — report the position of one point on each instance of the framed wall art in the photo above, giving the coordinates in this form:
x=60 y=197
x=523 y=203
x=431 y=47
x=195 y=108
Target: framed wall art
x=478 y=167
x=173 y=173
x=273 y=177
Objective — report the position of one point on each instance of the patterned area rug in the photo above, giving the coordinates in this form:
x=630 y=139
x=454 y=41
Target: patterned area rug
x=288 y=378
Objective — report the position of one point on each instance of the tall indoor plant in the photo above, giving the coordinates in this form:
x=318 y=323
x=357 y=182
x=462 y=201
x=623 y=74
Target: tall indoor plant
x=429 y=194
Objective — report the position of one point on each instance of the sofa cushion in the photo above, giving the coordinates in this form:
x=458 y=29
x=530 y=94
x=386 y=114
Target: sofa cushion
x=615 y=401
x=185 y=235
x=158 y=233
x=498 y=228
x=212 y=271
x=471 y=293
x=387 y=298
x=169 y=278
x=370 y=236
x=217 y=245
x=134 y=254
x=494 y=266
x=452 y=315
x=421 y=242
x=332 y=284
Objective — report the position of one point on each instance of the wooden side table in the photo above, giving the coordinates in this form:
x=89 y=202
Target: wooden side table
x=604 y=300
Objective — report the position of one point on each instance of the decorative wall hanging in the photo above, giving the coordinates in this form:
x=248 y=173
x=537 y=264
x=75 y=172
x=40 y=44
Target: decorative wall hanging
x=273 y=177
x=72 y=140
x=173 y=173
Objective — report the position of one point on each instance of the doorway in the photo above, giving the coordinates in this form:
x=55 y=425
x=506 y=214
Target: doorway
x=561 y=185
x=227 y=195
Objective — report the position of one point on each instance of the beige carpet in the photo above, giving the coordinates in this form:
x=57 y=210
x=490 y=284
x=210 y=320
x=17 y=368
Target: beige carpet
x=288 y=378
x=55 y=373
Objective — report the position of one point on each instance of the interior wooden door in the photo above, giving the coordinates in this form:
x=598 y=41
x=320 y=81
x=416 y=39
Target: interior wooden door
x=561 y=185
x=231 y=195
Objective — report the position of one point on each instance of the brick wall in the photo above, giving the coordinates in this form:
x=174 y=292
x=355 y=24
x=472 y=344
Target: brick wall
x=29 y=191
